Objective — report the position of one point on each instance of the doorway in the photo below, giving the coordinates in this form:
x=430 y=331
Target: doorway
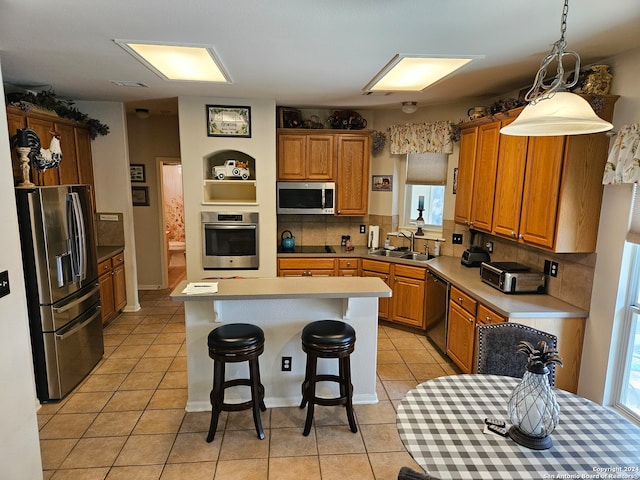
x=172 y=202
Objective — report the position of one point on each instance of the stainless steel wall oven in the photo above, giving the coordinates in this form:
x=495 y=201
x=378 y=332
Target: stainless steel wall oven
x=230 y=240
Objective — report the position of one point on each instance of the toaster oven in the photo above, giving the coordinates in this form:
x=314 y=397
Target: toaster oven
x=511 y=277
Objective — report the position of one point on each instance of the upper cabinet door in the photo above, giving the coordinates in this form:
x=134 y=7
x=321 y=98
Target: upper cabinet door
x=352 y=184
x=68 y=168
x=43 y=129
x=484 y=177
x=321 y=157
x=541 y=191
x=466 y=162
x=512 y=158
x=292 y=151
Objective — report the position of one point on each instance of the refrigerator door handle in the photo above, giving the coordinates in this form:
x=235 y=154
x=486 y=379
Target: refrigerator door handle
x=77 y=301
x=62 y=336
x=79 y=239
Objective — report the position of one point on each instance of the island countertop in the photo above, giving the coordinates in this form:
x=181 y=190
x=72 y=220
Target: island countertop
x=288 y=287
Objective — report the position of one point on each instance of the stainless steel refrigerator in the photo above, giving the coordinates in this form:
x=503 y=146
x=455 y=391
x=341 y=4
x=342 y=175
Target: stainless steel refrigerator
x=61 y=276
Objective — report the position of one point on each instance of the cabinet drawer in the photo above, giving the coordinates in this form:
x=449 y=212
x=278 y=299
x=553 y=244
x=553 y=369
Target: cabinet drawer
x=347 y=263
x=464 y=300
x=376 y=266
x=306 y=263
x=410 y=272
x=117 y=260
x=104 y=266
x=486 y=316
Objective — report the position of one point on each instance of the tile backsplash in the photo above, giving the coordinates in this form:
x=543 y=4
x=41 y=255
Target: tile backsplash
x=109 y=229
x=572 y=285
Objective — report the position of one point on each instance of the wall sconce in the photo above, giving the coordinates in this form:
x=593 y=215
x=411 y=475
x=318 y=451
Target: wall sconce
x=409 y=107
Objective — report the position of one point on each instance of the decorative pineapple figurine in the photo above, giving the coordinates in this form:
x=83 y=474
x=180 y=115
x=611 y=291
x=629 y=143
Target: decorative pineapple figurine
x=533 y=408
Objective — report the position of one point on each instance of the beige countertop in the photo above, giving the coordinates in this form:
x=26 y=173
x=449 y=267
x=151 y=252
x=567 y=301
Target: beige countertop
x=105 y=252
x=468 y=280
x=510 y=305
x=289 y=287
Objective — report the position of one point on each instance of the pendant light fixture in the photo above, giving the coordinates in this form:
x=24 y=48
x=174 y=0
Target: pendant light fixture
x=552 y=109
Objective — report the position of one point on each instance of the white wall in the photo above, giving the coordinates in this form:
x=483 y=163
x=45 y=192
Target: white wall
x=19 y=442
x=112 y=182
x=607 y=300
x=195 y=146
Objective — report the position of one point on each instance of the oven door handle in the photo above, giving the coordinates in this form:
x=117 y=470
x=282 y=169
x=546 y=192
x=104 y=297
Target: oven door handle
x=212 y=226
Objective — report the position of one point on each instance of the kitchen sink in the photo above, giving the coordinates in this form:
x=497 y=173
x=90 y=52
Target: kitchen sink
x=389 y=253
x=420 y=257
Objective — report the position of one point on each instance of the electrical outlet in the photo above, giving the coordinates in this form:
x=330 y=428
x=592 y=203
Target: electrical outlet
x=286 y=364
x=456 y=239
x=551 y=268
x=4 y=283
x=362 y=228
x=489 y=247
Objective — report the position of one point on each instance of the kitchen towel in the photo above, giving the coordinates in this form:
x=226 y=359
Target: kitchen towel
x=374 y=236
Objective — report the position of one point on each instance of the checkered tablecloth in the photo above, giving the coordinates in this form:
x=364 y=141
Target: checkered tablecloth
x=441 y=421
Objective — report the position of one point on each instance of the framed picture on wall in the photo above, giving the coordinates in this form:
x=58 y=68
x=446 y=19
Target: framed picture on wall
x=140 y=196
x=136 y=172
x=382 y=183
x=225 y=121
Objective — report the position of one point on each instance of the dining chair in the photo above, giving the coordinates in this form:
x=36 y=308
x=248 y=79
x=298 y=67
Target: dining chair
x=408 y=474
x=498 y=349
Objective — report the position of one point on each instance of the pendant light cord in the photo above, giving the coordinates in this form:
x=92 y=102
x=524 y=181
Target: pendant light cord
x=540 y=90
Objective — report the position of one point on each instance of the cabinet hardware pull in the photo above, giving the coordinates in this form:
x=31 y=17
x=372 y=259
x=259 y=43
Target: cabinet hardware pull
x=521 y=236
x=488 y=319
x=470 y=320
x=460 y=299
x=513 y=234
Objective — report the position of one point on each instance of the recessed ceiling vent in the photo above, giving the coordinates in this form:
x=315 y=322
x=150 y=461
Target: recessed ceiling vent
x=129 y=83
x=377 y=93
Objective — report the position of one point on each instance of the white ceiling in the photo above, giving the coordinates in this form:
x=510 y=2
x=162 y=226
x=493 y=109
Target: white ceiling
x=302 y=53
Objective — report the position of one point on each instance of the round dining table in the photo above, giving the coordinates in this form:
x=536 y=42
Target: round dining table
x=441 y=424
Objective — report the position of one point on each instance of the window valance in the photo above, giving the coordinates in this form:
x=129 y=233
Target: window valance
x=436 y=137
x=623 y=163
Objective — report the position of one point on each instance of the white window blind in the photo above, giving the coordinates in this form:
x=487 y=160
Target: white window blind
x=427 y=168
x=633 y=235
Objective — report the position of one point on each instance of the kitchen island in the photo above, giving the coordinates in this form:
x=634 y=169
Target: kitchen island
x=282 y=307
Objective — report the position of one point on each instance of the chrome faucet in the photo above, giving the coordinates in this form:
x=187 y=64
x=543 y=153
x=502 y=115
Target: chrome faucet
x=412 y=239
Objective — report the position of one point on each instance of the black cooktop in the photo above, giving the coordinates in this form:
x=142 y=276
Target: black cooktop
x=308 y=249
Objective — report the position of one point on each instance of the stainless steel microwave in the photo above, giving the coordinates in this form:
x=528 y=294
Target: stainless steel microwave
x=306 y=198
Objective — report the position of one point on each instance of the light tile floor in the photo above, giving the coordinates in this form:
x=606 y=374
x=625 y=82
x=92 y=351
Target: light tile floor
x=127 y=419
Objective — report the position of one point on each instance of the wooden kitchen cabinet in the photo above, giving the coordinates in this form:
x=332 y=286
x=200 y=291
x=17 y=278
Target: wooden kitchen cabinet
x=113 y=289
x=484 y=177
x=348 y=267
x=466 y=170
x=512 y=159
x=382 y=270
x=304 y=156
x=352 y=182
x=75 y=142
x=306 y=267
x=408 y=299
x=461 y=329
x=551 y=198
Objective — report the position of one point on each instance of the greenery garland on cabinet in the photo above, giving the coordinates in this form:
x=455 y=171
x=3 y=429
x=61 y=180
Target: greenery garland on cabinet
x=47 y=100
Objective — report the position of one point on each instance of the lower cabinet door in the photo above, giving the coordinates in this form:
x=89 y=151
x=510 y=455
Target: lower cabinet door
x=408 y=301
x=461 y=336
x=106 y=296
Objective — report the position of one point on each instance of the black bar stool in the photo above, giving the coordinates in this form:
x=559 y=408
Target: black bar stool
x=328 y=339
x=236 y=342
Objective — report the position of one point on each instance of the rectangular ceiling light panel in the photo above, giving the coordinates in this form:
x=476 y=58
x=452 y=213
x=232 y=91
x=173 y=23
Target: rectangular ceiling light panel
x=413 y=73
x=197 y=63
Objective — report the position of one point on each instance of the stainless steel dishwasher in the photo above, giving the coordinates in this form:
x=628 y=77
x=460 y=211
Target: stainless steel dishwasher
x=436 y=310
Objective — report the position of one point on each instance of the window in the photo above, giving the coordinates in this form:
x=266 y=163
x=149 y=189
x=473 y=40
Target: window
x=629 y=387
x=426 y=174
x=433 y=204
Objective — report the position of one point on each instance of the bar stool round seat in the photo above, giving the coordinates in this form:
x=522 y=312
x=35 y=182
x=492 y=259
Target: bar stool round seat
x=232 y=343
x=328 y=339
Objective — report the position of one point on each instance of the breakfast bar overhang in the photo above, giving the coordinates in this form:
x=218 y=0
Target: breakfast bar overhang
x=282 y=306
